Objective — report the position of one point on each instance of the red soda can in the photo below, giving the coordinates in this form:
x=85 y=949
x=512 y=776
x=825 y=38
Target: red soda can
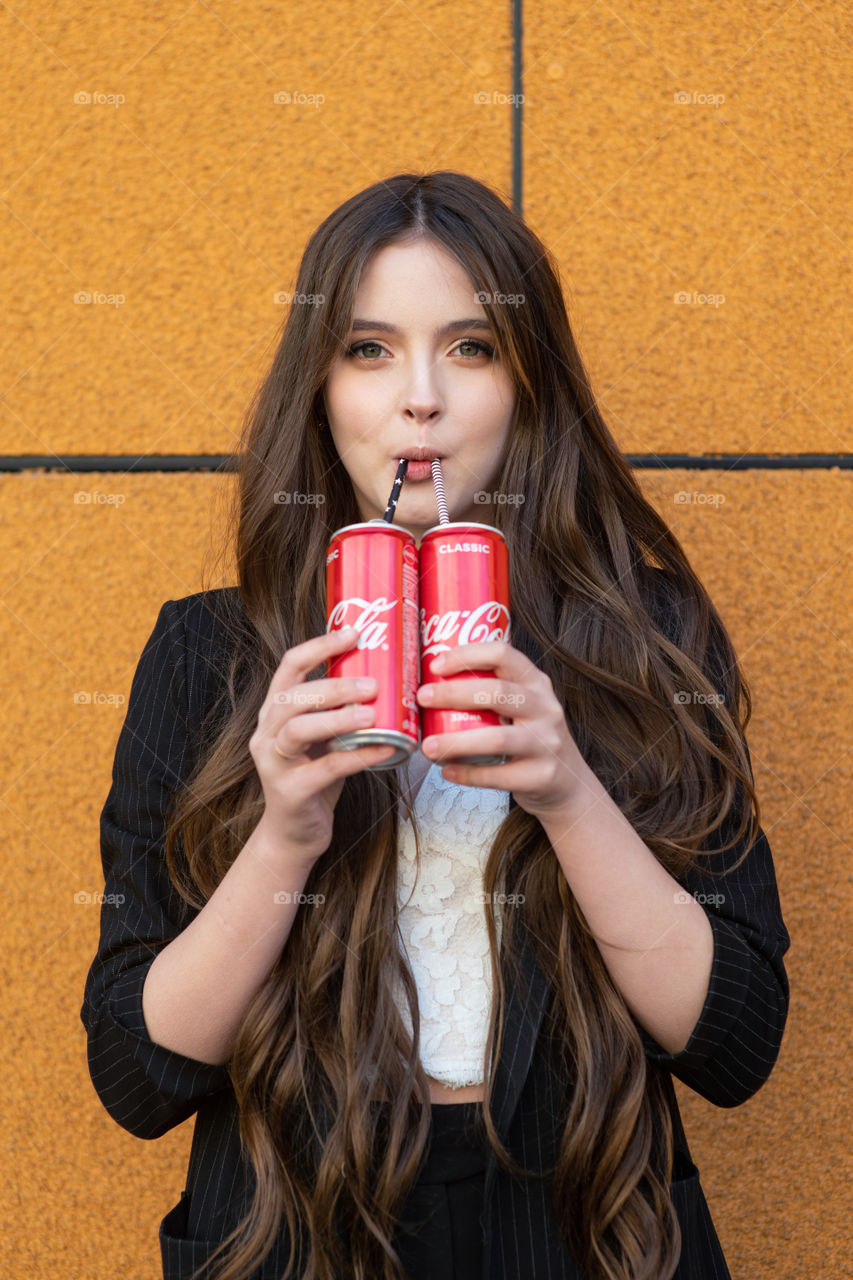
x=463 y=580
x=372 y=585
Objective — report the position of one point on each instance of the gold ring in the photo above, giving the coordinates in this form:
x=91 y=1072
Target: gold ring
x=281 y=753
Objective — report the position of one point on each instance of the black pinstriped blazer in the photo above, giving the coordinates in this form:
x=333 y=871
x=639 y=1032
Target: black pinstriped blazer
x=148 y=1089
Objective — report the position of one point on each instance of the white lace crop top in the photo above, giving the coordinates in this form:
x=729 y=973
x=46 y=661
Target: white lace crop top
x=442 y=923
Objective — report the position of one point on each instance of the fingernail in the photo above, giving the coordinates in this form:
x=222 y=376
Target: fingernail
x=439 y=662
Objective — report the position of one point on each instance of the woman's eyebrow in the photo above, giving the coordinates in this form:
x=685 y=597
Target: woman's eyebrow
x=455 y=326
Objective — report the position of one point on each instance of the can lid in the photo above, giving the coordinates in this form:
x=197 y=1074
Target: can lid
x=367 y=524
x=460 y=524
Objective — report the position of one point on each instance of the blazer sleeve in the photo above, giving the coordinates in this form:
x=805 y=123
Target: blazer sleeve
x=735 y=1043
x=146 y=1088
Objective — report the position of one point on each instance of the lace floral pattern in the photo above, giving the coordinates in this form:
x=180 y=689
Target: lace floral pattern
x=442 y=923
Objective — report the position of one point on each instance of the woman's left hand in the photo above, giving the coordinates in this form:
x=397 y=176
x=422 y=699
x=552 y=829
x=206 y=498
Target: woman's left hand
x=544 y=767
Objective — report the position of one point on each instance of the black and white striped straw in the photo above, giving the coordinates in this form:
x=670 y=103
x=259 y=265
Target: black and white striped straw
x=438 y=485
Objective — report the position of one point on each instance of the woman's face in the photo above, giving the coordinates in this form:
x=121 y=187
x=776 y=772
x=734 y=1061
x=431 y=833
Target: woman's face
x=420 y=385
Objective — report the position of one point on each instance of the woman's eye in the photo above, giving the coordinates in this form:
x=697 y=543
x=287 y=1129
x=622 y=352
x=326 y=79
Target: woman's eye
x=356 y=349
x=483 y=348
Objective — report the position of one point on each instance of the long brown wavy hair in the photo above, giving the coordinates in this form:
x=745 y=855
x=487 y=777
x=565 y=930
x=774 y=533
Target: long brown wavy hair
x=604 y=600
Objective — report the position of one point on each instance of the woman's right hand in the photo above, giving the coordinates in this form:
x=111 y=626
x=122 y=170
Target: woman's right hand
x=300 y=717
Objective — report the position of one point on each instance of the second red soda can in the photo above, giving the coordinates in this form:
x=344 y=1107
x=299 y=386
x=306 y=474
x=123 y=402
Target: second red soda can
x=463 y=584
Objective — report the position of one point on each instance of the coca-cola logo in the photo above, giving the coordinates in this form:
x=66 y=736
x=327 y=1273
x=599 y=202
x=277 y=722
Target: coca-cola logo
x=364 y=616
x=489 y=621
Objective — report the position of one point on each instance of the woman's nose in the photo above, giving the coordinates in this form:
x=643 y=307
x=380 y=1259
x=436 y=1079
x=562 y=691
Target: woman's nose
x=421 y=390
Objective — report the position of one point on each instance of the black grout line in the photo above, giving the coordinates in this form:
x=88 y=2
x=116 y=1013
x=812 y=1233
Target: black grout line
x=517 y=107
x=740 y=461
x=80 y=463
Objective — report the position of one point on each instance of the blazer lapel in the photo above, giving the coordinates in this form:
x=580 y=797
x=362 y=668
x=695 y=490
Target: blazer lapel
x=525 y=1007
x=524 y=1010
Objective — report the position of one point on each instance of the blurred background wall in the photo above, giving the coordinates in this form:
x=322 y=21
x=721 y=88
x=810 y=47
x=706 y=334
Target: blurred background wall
x=162 y=167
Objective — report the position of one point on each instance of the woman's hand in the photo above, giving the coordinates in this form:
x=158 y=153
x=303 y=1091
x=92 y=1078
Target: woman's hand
x=301 y=774
x=544 y=766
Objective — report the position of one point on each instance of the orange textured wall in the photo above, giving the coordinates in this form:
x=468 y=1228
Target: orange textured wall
x=667 y=151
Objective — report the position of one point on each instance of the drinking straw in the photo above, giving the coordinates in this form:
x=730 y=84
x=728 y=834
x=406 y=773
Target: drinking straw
x=395 y=490
x=438 y=485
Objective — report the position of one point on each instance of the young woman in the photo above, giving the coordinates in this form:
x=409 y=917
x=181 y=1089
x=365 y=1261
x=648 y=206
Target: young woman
x=428 y=1016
